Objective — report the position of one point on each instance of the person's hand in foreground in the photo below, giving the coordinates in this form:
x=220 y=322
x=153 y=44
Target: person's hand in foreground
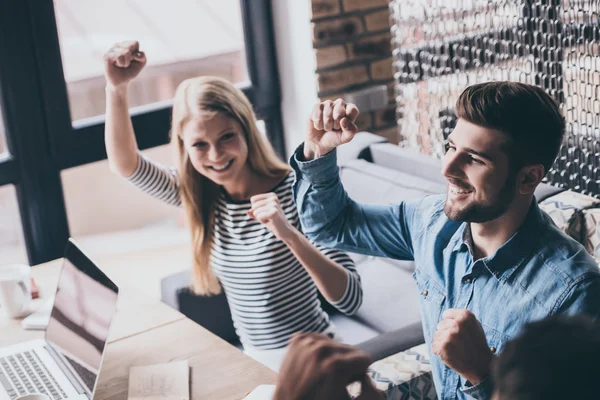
x=318 y=368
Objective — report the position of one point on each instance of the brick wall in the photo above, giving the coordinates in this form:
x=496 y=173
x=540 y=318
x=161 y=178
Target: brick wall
x=352 y=43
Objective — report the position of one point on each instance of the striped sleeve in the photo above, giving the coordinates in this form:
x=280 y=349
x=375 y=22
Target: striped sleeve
x=156 y=180
x=353 y=296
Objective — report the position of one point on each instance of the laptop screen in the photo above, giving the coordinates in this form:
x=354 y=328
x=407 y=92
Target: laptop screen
x=84 y=306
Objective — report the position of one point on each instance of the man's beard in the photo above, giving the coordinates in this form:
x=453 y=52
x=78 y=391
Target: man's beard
x=478 y=212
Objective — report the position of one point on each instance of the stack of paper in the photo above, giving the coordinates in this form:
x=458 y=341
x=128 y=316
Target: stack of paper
x=160 y=382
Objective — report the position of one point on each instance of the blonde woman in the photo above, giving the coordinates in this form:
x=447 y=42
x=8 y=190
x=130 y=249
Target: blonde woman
x=237 y=195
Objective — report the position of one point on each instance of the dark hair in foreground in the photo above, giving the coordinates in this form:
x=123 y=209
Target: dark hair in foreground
x=525 y=113
x=557 y=358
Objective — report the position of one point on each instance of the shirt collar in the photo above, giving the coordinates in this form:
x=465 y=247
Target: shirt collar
x=512 y=253
x=461 y=240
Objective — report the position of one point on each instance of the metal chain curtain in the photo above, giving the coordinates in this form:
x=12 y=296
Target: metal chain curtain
x=443 y=46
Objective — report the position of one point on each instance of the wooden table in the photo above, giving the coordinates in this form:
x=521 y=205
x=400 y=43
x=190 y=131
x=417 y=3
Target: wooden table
x=146 y=331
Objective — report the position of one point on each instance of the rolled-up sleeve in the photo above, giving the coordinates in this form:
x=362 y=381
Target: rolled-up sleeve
x=330 y=218
x=482 y=391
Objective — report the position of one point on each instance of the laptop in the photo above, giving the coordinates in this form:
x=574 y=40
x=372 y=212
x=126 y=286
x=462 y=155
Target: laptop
x=66 y=363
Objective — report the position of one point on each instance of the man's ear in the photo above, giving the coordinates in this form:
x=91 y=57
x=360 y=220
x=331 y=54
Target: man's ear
x=530 y=177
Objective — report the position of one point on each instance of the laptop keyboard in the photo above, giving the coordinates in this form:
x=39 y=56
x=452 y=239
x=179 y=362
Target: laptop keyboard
x=88 y=377
x=24 y=373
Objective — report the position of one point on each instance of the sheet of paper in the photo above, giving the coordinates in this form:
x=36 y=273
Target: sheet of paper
x=262 y=392
x=160 y=382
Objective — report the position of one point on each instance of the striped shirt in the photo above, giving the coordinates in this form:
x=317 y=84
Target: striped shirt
x=271 y=295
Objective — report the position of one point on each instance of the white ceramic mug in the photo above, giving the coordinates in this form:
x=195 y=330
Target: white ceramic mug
x=15 y=290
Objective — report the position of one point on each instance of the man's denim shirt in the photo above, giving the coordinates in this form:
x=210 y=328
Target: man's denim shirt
x=537 y=273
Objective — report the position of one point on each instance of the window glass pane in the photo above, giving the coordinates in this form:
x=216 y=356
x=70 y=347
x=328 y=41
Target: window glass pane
x=261 y=126
x=112 y=216
x=181 y=39
x=3 y=148
x=12 y=245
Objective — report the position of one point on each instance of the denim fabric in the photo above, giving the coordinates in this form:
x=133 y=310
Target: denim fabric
x=538 y=272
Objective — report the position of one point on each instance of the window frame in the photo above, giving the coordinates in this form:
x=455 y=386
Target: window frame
x=41 y=138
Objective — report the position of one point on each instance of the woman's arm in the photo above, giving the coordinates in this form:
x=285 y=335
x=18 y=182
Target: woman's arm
x=332 y=279
x=122 y=63
x=156 y=180
x=352 y=295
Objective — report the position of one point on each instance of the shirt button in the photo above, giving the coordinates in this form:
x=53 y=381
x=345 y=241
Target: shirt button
x=493 y=349
x=469 y=280
x=425 y=292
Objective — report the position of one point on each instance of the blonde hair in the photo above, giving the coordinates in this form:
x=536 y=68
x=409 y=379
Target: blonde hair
x=195 y=98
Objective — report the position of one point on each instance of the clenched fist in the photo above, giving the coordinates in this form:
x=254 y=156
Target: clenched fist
x=123 y=62
x=461 y=344
x=331 y=125
x=267 y=210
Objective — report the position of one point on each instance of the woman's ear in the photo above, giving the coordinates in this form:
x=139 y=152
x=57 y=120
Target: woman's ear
x=530 y=177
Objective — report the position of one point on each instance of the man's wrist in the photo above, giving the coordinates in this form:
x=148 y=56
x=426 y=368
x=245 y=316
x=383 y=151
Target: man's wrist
x=312 y=151
x=482 y=390
x=475 y=378
x=322 y=169
x=484 y=368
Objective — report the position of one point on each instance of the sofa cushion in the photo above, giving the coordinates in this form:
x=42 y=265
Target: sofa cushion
x=390 y=296
x=350 y=331
x=591 y=235
x=565 y=209
x=359 y=147
x=384 y=185
x=409 y=161
x=544 y=191
x=393 y=342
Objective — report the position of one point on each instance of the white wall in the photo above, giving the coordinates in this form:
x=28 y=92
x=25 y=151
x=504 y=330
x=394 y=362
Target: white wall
x=297 y=64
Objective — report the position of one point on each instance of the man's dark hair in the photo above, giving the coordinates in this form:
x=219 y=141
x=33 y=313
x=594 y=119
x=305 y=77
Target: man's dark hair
x=529 y=117
x=557 y=358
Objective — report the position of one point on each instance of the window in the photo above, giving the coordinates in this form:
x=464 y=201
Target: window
x=112 y=206
x=49 y=91
x=12 y=245
x=3 y=148
x=179 y=38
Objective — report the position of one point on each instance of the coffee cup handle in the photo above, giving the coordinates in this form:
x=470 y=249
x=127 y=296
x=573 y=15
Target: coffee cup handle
x=23 y=287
